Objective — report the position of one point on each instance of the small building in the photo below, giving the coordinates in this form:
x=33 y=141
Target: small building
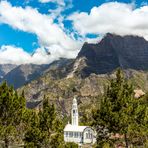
x=138 y=93
x=75 y=133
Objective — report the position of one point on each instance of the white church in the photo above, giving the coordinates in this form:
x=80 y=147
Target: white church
x=75 y=133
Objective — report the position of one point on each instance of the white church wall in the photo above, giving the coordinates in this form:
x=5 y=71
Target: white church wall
x=73 y=137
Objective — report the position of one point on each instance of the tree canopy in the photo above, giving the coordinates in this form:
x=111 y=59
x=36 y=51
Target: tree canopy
x=119 y=112
x=31 y=128
x=12 y=108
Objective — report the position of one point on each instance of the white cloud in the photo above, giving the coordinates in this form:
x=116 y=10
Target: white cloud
x=61 y=6
x=56 y=13
x=15 y=55
x=49 y=34
x=93 y=40
x=113 y=17
x=60 y=2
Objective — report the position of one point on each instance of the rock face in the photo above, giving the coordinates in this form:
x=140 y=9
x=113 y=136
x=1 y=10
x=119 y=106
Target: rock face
x=113 y=51
x=5 y=68
x=22 y=74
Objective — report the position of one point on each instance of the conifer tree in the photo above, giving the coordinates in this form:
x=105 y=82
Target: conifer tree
x=119 y=112
x=50 y=124
x=33 y=136
x=45 y=128
x=11 y=111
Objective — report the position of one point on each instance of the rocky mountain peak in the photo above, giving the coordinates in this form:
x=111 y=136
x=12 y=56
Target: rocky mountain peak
x=113 y=51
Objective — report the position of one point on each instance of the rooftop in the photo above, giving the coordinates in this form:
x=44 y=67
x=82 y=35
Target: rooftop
x=74 y=128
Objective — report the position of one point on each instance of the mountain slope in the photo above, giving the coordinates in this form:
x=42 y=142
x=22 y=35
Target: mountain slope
x=5 y=68
x=90 y=72
x=22 y=74
x=113 y=51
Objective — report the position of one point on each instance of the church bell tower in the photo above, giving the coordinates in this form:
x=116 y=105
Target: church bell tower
x=74 y=113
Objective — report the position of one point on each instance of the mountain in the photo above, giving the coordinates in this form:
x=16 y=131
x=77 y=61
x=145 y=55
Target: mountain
x=113 y=51
x=59 y=68
x=5 y=68
x=23 y=74
x=88 y=74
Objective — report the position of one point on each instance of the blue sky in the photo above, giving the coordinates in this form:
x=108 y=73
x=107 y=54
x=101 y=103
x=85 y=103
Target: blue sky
x=17 y=37
x=62 y=26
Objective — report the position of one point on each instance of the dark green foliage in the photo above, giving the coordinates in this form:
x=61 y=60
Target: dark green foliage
x=119 y=112
x=71 y=145
x=45 y=128
x=33 y=135
x=36 y=129
x=12 y=107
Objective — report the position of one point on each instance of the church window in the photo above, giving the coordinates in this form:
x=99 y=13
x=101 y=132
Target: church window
x=91 y=135
x=80 y=134
x=69 y=134
x=86 y=135
x=77 y=134
x=66 y=134
x=72 y=134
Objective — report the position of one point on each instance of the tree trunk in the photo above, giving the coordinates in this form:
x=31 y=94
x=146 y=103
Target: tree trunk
x=126 y=140
x=6 y=142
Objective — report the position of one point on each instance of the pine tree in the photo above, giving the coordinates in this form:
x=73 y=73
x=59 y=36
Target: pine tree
x=12 y=107
x=33 y=136
x=50 y=124
x=119 y=112
x=45 y=128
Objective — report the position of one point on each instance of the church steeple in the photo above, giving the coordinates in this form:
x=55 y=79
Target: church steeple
x=74 y=113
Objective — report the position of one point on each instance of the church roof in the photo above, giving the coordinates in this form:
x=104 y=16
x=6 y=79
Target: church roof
x=74 y=128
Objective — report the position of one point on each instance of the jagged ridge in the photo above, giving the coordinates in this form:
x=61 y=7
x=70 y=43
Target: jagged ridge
x=113 y=51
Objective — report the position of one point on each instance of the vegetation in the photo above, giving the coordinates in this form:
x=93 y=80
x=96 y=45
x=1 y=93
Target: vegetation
x=120 y=116
x=33 y=129
x=117 y=117
x=12 y=107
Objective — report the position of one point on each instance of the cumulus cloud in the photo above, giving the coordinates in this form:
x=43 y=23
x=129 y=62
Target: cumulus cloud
x=113 y=17
x=49 y=34
x=15 y=55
